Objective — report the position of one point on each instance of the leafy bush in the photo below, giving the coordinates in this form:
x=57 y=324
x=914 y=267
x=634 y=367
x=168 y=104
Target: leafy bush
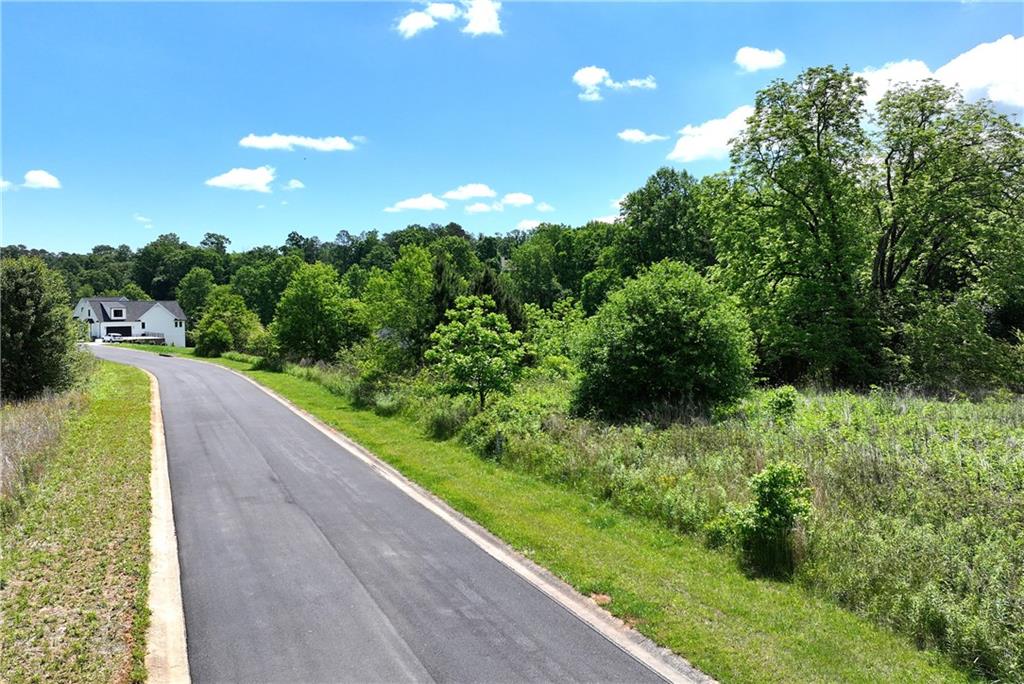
x=36 y=334
x=949 y=349
x=782 y=402
x=765 y=529
x=315 y=316
x=214 y=339
x=668 y=336
x=264 y=345
x=228 y=308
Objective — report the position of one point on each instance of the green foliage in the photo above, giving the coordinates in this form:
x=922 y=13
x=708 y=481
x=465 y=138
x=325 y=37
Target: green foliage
x=214 y=338
x=129 y=290
x=265 y=347
x=36 y=334
x=782 y=402
x=494 y=285
x=224 y=306
x=661 y=221
x=949 y=349
x=796 y=253
x=316 y=317
x=597 y=285
x=400 y=303
x=193 y=290
x=765 y=529
x=476 y=351
x=261 y=285
x=556 y=332
x=667 y=337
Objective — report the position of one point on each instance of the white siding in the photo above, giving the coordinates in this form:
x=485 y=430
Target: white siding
x=160 y=320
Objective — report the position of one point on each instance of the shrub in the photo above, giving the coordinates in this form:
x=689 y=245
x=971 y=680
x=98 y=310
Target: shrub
x=264 y=345
x=214 y=339
x=224 y=306
x=765 y=529
x=949 y=348
x=667 y=337
x=782 y=402
x=36 y=334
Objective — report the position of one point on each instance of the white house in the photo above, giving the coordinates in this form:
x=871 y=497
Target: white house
x=107 y=315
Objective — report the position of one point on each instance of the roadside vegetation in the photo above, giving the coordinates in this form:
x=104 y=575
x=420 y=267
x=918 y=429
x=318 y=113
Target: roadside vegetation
x=807 y=368
x=74 y=495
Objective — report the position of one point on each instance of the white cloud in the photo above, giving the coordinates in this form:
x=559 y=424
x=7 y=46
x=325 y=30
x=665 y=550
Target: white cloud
x=284 y=203
x=635 y=135
x=527 y=224
x=994 y=70
x=425 y=202
x=277 y=141
x=611 y=218
x=414 y=22
x=257 y=180
x=710 y=140
x=881 y=79
x=991 y=70
x=754 y=59
x=517 y=199
x=443 y=10
x=481 y=17
x=41 y=180
x=469 y=191
x=544 y=206
x=294 y=184
x=483 y=207
x=5 y=185
x=261 y=206
x=141 y=219
x=360 y=139
x=591 y=79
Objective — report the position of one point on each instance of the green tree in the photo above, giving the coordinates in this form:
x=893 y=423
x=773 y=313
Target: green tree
x=315 y=317
x=36 y=335
x=797 y=248
x=949 y=171
x=476 y=351
x=667 y=336
x=495 y=285
x=227 y=307
x=214 y=339
x=662 y=220
x=261 y=284
x=193 y=290
x=399 y=303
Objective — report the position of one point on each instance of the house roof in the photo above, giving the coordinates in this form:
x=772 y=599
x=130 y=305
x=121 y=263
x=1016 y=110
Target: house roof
x=133 y=310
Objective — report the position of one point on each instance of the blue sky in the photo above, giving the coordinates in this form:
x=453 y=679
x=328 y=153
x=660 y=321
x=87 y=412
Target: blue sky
x=132 y=108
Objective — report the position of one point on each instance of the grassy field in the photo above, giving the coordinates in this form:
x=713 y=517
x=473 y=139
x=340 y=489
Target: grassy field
x=76 y=549
x=673 y=589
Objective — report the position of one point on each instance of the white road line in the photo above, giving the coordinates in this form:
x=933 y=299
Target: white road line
x=166 y=653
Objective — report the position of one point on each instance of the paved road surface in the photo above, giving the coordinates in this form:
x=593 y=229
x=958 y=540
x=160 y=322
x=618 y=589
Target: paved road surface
x=299 y=563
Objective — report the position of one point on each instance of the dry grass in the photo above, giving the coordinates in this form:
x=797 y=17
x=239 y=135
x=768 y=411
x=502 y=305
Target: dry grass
x=74 y=571
x=29 y=431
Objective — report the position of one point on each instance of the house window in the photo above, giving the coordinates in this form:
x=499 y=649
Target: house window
x=143 y=325
x=117 y=313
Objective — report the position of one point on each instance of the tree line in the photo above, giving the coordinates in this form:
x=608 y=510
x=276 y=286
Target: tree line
x=844 y=247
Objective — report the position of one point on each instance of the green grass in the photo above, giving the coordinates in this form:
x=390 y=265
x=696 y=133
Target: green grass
x=75 y=566
x=668 y=585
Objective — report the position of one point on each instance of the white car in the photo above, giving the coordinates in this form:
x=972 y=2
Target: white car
x=112 y=337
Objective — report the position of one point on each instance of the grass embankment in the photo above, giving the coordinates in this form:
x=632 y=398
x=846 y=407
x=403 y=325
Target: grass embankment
x=682 y=595
x=75 y=560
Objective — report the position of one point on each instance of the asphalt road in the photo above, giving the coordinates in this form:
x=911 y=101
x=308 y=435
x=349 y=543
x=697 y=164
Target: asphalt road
x=300 y=563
